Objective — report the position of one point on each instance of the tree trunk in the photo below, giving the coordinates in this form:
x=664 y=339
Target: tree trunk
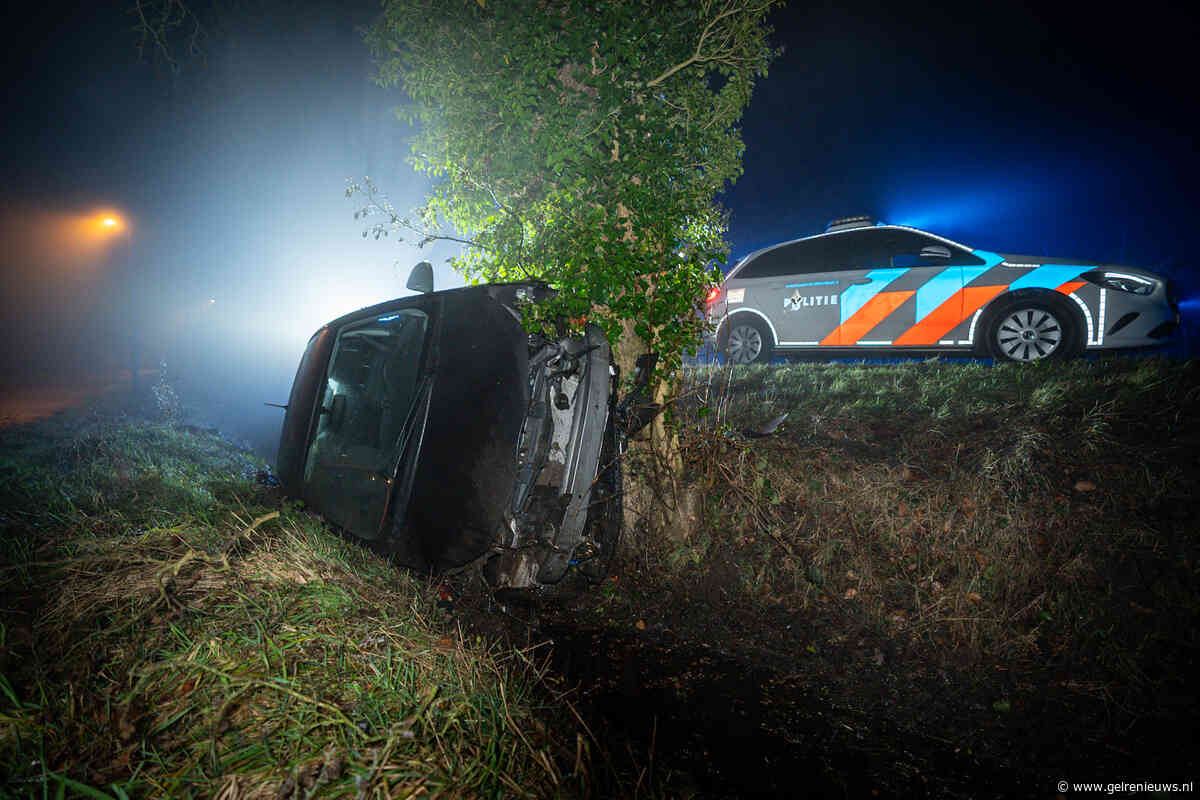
x=657 y=502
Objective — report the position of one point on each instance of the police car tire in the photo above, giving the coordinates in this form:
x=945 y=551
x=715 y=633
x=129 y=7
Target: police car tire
x=1068 y=345
x=748 y=321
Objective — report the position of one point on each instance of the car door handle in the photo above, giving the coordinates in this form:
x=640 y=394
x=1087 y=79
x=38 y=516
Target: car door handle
x=860 y=281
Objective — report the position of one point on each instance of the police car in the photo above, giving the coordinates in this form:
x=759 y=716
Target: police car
x=865 y=286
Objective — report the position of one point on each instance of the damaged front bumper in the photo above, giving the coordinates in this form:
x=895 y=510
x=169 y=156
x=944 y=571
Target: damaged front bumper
x=566 y=455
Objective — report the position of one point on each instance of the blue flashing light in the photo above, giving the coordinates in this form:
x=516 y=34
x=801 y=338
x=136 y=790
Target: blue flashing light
x=388 y=318
x=948 y=212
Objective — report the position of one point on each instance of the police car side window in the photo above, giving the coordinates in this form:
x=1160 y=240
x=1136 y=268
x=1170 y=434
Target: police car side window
x=912 y=249
x=790 y=259
x=872 y=248
x=865 y=249
x=831 y=253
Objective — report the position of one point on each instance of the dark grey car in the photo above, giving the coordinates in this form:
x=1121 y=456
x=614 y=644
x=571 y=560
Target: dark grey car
x=436 y=429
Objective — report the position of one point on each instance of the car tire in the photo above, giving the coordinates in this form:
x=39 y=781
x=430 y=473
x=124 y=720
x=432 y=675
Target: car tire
x=1029 y=329
x=746 y=339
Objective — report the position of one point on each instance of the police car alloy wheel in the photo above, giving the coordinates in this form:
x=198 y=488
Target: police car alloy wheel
x=1028 y=332
x=745 y=343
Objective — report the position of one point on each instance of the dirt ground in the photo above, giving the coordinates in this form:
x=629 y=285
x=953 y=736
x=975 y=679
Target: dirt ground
x=705 y=699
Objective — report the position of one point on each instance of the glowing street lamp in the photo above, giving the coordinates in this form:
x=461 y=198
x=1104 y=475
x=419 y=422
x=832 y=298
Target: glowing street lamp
x=105 y=225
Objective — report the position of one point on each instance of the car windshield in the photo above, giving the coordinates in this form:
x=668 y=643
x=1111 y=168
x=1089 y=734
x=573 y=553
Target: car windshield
x=371 y=386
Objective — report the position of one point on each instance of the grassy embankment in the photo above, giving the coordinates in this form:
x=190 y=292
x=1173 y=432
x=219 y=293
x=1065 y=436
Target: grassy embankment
x=1015 y=517
x=163 y=634
x=167 y=630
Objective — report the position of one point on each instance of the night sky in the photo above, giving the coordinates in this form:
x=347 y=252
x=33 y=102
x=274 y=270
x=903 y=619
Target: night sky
x=1057 y=132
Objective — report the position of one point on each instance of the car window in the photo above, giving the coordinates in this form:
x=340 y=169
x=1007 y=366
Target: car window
x=916 y=249
x=868 y=248
x=852 y=250
x=372 y=383
x=784 y=260
x=294 y=436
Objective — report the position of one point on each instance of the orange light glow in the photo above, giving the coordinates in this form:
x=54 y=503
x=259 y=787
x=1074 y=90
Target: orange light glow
x=103 y=224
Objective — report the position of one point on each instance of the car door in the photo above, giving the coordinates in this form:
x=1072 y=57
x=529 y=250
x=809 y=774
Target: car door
x=789 y=285
x=369 y=390
x=902 y=287
x=856 y=266
x=937 y=271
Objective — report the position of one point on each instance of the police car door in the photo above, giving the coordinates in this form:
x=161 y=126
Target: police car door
x=881 y=274
x=802 y=299
x=847 y=269
x=936 y=272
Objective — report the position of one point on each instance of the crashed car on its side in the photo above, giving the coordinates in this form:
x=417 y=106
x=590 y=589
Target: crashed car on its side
x=436 y=429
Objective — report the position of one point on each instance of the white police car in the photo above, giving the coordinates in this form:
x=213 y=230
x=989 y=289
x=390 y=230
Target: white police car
x=863 y=286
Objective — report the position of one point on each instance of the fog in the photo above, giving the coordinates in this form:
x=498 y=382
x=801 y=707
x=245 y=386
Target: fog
x=238 y=241
x=1028 y=130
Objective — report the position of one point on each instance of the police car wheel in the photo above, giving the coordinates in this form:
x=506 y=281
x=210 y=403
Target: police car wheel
x=1031 y=330
x=747 y=342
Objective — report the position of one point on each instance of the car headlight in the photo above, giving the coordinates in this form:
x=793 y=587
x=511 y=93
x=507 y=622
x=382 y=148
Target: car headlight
x=1121 y=281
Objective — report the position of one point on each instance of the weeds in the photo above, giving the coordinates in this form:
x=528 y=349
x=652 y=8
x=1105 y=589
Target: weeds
x=165 y=633
x=979 y=512
x=166 y=398
x=167 y=628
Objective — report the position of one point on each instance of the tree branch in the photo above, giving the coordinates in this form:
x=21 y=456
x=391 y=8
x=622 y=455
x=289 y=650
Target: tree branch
x=723 y=52
x=156 y=19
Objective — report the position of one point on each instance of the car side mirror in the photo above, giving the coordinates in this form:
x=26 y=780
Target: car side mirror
x=421 y=278
x=935 y=251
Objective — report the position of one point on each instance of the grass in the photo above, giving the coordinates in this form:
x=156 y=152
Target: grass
x=1020 y=534
x=168 y=629
x=1020 y=516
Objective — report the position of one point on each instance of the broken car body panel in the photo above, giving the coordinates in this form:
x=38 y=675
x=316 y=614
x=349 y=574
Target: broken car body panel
x=435 y=428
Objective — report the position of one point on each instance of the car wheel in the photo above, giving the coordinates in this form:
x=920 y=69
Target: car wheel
x=1031 y=330
x=747 y=341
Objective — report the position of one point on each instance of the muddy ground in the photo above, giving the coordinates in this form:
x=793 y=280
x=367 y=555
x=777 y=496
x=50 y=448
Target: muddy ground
x=690 y=694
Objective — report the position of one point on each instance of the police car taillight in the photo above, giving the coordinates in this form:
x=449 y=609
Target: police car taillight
x=713 y=294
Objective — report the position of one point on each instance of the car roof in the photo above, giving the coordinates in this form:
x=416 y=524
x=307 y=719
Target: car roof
x=750 y=257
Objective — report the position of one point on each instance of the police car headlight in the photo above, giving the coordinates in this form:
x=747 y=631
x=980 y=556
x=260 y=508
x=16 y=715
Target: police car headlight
x=1121 y=281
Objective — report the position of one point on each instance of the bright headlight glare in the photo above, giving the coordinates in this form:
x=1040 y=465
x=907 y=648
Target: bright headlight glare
x=1120 y=281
